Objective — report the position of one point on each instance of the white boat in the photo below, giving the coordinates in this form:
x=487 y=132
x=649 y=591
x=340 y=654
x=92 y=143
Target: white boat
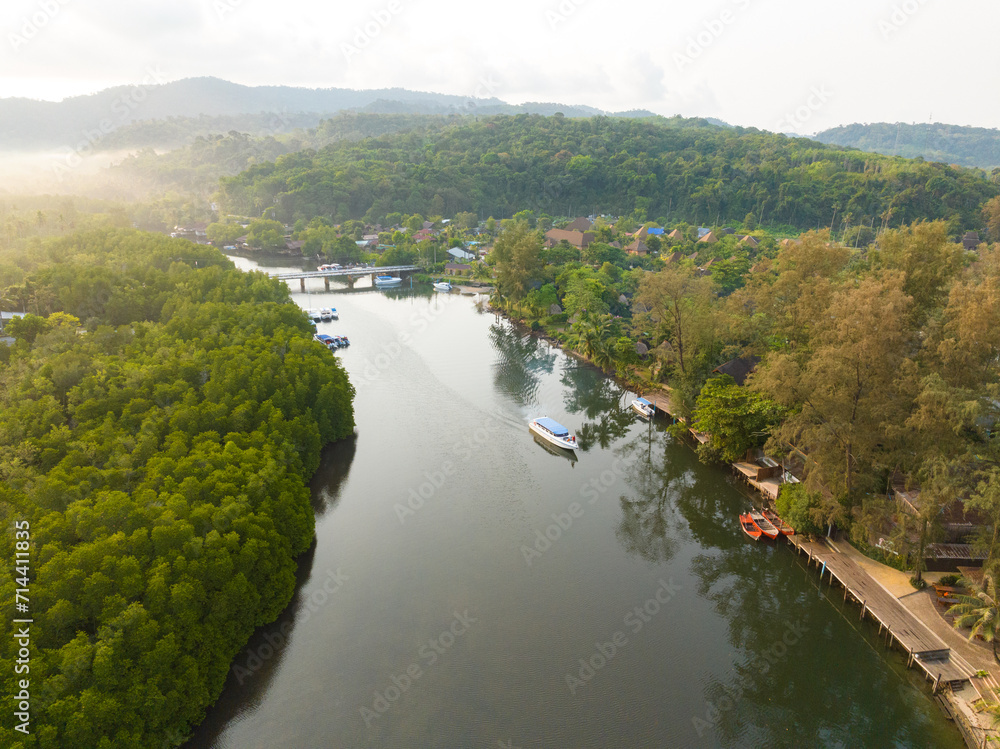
x=326 y=315
x=329 y=266
x=332 y=311
x=553 y=432
x=314 y=314
x=383 y=281
x=644 y=407
x=442 y=286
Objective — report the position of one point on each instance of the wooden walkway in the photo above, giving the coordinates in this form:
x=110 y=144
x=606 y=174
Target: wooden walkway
x=748 y=472
x=923 y=647
x=661 y=399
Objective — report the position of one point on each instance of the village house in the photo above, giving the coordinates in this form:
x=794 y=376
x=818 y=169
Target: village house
x=197 y=232
x=971 y=240
x=638 y=247
x=578 y=239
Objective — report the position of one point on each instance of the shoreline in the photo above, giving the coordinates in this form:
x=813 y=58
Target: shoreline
x=959 y=710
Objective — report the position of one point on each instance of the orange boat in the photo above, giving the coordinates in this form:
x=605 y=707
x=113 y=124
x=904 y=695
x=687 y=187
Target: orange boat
x=784 y=528
x=749 y=528
x=763 y=524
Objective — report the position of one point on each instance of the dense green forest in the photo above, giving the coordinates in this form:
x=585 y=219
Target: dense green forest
x=951 y=144
x=874 y=361
x=159 y=419
x=661 y=168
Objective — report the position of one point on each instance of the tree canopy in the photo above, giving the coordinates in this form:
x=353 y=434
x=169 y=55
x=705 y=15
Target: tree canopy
x=160 y=455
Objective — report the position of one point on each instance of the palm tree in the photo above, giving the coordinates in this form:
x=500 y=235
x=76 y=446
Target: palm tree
x=481 y=272
x=981 y=612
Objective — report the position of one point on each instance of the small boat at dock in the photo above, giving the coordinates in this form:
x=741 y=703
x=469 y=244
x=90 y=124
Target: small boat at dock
x=763 y=524
x=553 y=432
x=749 y=528
x=386 y=281
x=644 y=408
x=783 y=528
x=442 y=286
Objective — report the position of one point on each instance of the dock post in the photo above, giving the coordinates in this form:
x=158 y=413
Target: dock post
x=864 y=608
x=937 y=681
x=302 y=284
x=845 y=594
x=326 y=282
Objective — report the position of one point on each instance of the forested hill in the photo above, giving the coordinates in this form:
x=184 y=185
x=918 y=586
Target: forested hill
x=200 y=106
x=951 y=144
x=664 y=168
x=157 y=456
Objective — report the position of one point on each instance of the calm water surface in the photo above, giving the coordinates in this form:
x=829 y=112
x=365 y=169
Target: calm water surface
x=471 y=588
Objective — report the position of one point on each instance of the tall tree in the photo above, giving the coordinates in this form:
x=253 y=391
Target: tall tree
x=927 y=257
x=737 y=418
x=852 y=386
x=676 y=304
x=517 y=254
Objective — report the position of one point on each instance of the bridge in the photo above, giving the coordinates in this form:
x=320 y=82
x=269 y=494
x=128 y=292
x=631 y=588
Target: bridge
x=351 y=274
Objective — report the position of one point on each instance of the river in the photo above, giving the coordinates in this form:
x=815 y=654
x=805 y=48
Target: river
x=471 y=588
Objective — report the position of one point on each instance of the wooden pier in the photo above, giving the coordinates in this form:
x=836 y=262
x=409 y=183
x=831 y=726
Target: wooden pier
x=754 y=475
x=924 y=648
x=661 y=399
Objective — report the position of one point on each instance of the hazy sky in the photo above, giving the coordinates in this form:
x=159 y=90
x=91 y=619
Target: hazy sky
x=797 y=66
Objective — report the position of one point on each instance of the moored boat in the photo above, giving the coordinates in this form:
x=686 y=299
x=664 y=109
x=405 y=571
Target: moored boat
x=749 y=528
x=442 y=286
x=553 y=432
x=383 y=281
x=327 y=340
x=327 y=315
x=644 y=407
x=783 y=528
x=763 y=524
x=314 y=315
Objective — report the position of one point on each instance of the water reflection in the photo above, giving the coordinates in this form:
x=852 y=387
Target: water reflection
x=407 y=291
x=521 y=360
x=334 y=466
x=569 y=455
x=599 y=399
x=649 y=526
x=769 y=699
x=776 y=621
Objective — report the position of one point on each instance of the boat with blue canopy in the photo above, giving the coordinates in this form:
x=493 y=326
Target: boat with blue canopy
x=553 y=432
x=644 y=407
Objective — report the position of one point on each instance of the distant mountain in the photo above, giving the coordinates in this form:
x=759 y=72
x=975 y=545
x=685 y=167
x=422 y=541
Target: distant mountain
x=951 y=144
x=197 y=106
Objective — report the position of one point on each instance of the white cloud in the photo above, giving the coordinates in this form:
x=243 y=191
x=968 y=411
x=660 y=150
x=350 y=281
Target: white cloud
x=756 y=58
